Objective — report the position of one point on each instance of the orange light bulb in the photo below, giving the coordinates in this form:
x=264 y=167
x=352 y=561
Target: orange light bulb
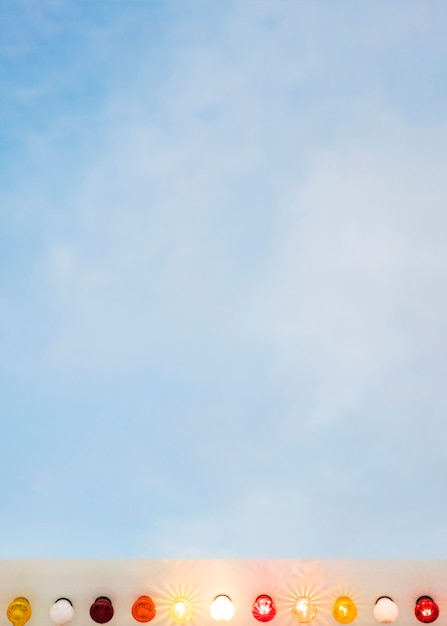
x=143 y=609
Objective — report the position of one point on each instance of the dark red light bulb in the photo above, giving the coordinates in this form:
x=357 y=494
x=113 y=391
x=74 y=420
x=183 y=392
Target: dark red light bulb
x=101 y=610
x=264 y=608
x=426 y=609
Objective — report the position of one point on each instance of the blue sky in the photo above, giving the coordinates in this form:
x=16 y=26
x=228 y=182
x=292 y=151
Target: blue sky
x=222 y=271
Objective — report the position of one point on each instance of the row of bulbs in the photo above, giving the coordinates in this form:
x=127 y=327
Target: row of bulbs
x=222 y=609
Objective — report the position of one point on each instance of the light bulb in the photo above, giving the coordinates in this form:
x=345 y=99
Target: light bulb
x=61 y=612
x=385 y=610
x=426 y=609
x=304 y=610
x=222 y=609
x=143 y=609
x=19 y=611
x=264 y=608
x=181 y=610
x=344 y=610
x=101 y=610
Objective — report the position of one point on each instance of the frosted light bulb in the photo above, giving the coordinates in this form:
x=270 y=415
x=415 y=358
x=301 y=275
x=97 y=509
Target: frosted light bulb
x=19 y=611
x=344 y=610
x=61 y=612
x=181 y=610
x=385 y=610
x=222 y=609
x=304 y=610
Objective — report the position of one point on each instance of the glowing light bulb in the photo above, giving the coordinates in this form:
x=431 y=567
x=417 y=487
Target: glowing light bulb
x=181 y=610
x=19 y=611
x=426 y=609
x=385 y=610
x=344 y=610
x=101 y=610
x=304 y=610
x=264 y=608
x=222 y=609
x=61 y=612
x=143 y=609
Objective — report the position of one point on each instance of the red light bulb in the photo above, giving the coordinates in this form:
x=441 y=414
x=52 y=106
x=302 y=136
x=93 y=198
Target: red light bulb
x=101 y=610
x=426 y=609
x=264 y=608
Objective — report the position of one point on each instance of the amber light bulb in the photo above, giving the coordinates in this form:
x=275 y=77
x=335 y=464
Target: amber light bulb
x=264 y=608
x=304 y=610
x=143 y=609
x=101 y=610
x=344 y=610
x=19 y=611
x=181 y=610
x=426 y=610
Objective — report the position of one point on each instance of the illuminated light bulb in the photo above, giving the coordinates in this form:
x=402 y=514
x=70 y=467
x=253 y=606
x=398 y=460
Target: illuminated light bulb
x=426 y=609
x=385 y=610
x=304 y=610
x=61 y=612
x=222 y=609
x=181 y=610
x=264 y=608
x=101 y=610
x=344 y=610
x=143 y=609
x=19 y=611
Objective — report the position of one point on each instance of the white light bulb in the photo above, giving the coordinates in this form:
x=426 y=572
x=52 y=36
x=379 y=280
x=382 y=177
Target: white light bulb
x=385 y=610
x=222 y=609
x=61 y=612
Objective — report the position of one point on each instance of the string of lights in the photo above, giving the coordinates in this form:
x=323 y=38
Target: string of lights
x=184 y=592
x=222 y=609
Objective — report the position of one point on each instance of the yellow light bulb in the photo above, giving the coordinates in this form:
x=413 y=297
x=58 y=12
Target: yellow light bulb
x=181 y=610
x=304 y=610
x=19 y=611
x=344 y=610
